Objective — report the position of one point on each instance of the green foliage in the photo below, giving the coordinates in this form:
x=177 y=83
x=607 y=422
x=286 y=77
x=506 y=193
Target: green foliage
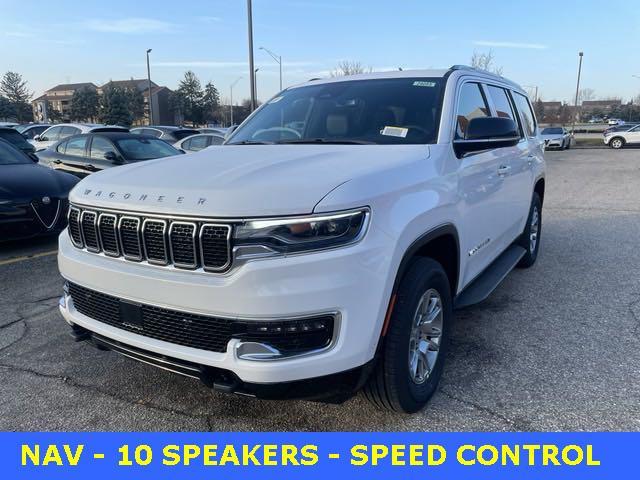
x=114 y=107
x=135 y=101
x=211 y=103
x=84 y=105
x=14 y=89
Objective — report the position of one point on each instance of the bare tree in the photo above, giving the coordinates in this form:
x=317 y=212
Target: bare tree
x=485 y=61
x=586 y=94
x=350 y=67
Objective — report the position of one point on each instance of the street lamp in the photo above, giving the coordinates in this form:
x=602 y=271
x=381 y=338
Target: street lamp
x=231 y=99
x=278 y=59
x=573 y=130
x=255 y=84
x=252 y=83
x=149 y=88
x=535 y=87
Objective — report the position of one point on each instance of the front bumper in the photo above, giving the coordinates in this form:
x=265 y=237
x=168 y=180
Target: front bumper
x=555 y=143
x=350 y=281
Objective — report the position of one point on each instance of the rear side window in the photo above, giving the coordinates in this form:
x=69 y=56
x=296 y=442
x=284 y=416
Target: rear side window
x=76 y=146
x=62 y=146
x=196 y=143
x=501 y=103
x=471 y=104
x=528 y=118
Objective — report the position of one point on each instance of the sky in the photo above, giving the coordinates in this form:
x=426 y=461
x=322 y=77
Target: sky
x=535 y=43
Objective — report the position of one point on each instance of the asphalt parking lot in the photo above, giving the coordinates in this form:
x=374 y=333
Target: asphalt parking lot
x=556 y=347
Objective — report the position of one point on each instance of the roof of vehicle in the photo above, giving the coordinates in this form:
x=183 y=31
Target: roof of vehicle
x=116 y=135
x=166 y=128
x=430 y=73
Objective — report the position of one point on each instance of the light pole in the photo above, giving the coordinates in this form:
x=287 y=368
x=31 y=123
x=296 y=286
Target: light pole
x=278 y=59
x=535 y=87
x=149 y=88
x=573 y=130
x=231 y=99
x=252 y=83
x=255 y=84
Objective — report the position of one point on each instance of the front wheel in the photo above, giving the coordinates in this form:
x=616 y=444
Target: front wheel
x=408 y=372
x=616 y=143
x=530 y=238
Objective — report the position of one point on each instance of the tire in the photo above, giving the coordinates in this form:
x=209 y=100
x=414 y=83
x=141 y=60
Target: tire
x=568 y=145
x=616 y=143
x=526 y=240
x=394 y=385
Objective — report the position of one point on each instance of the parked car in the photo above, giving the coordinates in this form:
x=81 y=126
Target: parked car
x=195 y=143
x=31 y=130
x=320 y=249
x=34 y=198
x=87 y=153
x=168 y=134
x=14 y=137
x=8 y=124
x=615 y=121
x=556 y=137
x=620 y=139
x=56 y=133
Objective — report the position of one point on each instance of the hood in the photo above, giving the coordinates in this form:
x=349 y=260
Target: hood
x=551 y=136
x=240 y=180
x=25 y=182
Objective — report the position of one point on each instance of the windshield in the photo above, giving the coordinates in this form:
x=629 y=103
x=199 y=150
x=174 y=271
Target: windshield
x=14 y=138
x=552 y=131
x=11 y=156
x=135 y=149
x=180 y=134
x=21 y=128
x=380 y=111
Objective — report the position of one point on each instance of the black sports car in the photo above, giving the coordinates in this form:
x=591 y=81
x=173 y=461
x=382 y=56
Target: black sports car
x=33 y=198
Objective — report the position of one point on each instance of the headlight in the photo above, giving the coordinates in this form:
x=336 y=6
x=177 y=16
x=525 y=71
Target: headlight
x=300 y=234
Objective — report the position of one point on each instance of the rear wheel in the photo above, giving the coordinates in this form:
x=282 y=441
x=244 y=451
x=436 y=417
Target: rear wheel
x=616 y=143
x=530 y=238
x=410 y=367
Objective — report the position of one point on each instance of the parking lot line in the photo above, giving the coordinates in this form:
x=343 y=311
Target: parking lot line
x=27 y=257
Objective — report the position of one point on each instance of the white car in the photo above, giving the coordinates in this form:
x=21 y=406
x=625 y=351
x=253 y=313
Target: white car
x=556 y=137
x=198 y=142
x=619 y=139
x=57 y=132
x=324 y=247
x=615 y=121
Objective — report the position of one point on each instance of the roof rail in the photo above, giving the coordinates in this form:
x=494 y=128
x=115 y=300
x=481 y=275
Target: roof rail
x=465 y=67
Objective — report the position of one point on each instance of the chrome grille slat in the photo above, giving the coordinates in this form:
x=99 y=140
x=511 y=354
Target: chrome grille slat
x=154 y=241
x=74 y=227
x=108 y=231
x=158 y=240
x=89 y=230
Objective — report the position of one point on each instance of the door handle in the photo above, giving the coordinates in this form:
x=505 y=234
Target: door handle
x=57 y=161
x=503 y=170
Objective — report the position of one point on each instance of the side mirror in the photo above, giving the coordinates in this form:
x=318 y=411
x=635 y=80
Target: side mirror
x=112 y=157
x=38 y=138
x=486 y=133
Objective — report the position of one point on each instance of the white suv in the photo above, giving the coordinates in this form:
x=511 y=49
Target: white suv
x=324 y=247
x=620 y=138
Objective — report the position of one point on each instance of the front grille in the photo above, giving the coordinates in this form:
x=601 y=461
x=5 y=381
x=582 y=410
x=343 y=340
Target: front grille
x=201 y=331
x=47 y=210
x=159 y=241
x=74 y=227
x=89 y=231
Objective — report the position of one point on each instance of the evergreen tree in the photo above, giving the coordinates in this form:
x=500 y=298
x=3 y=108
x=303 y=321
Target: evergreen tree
x=211 y=102
x=15 y=90
x=114 y=107
x=84 y=105
x=135 y=100
x=189 y=98
x=7 y=112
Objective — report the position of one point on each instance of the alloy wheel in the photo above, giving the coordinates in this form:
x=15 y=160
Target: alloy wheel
x=426 y=335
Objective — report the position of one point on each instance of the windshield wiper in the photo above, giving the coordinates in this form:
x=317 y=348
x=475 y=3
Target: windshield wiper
x=251 y=142
x=326 y=140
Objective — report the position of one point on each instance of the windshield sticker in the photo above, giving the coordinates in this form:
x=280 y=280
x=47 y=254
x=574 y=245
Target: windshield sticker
x=424 y=84
x=277 y=99
x=394 y=131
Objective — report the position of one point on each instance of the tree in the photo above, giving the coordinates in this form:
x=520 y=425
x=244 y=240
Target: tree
x=347 y=67
x=211 y=102
x=84 y=105
x=7 y=112
x=15 y=90
x=188 y=98
x=485 y=61
x=135 y=102
x=538 y=108
x=114 y=107
x=53 y=115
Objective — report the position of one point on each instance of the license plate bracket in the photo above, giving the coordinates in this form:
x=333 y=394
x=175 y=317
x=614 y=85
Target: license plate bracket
x=131 y=314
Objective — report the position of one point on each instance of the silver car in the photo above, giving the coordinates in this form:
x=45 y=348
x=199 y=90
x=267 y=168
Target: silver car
x=556 y=137
x=618 y=139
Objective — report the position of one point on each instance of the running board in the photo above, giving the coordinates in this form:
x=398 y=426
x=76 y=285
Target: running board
x=488 y=280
